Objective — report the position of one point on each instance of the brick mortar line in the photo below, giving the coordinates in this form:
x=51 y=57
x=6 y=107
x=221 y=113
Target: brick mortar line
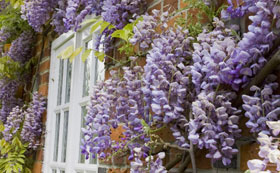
x=44 y=59
x=38 y=42
x=44 y=72
x=154 y=4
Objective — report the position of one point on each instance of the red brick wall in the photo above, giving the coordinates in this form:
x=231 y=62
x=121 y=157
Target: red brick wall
x=42 y=80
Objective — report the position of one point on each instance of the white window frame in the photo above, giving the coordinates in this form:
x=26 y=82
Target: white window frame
x=74 y=106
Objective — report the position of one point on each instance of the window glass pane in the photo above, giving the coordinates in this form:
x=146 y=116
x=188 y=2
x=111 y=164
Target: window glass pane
x=56 y=139
x=99 y=70
x=65 y=133
x=68 y=81
x=53 y=171
x=83 y=114
x=62 y=171
x=60 y=79
x=92 y=160
x=87 y=65
x=102 y=170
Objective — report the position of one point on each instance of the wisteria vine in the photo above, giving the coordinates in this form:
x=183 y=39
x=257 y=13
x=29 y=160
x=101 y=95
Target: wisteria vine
x=188 y=84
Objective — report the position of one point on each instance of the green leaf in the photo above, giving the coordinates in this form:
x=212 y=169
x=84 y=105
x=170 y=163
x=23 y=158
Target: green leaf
x=2 y=127
x=76 y=53
x=2 y=66
x=144 y=124
x=9 y=170
x=119 y=34
x=21 y=160
x=67 y=52
x=100 y=56
x=111 y=27
x=86 y=54
x=104 y=25
x=90 y=21
x=128 y=27
x=95 y=26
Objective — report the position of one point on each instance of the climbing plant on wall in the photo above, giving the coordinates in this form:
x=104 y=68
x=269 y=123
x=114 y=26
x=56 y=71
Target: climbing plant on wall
x=194 y=73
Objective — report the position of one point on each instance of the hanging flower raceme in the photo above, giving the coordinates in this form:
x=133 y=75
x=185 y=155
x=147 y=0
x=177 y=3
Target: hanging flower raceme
x=59 y=16
x=215 y=121
x=215 y=125
x=150 y=164
x=238 y=8
x=145 y=30
x=4 y=35
x=118 y=13
x=32 y=125
x=77 y=10
x=21 y=48
x=248 y=58
x=263 y=106
x=211 y=58
x=38 y=12
x=3 y=5
x=7 y=97
x=13 y=123
x=117 y=100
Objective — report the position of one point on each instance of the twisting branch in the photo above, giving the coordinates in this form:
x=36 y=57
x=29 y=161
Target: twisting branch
x=172 y=163
x=184 y=165
x=259 y=78
x=168 y=145
x=192 y=150
x=44 y=35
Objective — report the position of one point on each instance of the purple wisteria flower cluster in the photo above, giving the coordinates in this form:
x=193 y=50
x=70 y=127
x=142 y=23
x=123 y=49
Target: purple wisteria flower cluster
x=58 y=17
x=215 y=125
x=38 y=12
x=26 y=121
x=4 y=35
x=166 y=78
x=7 y=98
x=145 y=30
x=118 y=13
x=249 y=56
x=3 y=5
x=175 y=80
x=21 y=48
x=69 y=14
x=262 y=106
x=215 y=122
x=155 y=164
x=117 y=100
x=188 y=85
x=32 y=125
x=65 y=15
x=239 y=8
x=13 y=124
x=211 y=58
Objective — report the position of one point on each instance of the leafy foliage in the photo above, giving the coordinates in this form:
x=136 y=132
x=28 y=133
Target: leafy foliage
x=12 y=157
x=9 y=68
x=15 y=3
x=199 y=15
x=11 y=22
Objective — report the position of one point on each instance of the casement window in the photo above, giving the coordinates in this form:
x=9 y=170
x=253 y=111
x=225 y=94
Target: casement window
x=70 y=85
